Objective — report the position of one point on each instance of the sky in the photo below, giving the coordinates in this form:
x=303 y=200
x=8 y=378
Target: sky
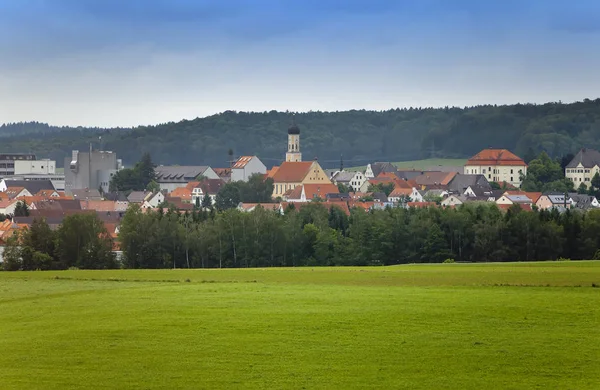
x=137 y=62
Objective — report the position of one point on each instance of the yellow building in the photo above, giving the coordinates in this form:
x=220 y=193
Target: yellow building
x=292 y=174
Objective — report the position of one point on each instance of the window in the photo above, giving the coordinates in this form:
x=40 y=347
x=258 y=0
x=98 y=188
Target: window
x=511 y=172
x=587 y=179
x=511 y=178
x=587 y=171
x=489 y=176
x=483 y=170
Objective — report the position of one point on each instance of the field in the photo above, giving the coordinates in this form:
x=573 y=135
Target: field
x=446 y=326
x=430 y=164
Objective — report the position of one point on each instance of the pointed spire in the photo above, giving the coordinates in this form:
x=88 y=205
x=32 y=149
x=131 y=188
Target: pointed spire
x=341 y=162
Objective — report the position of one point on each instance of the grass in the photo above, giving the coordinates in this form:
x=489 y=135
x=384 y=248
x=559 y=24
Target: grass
x=431 y=164
x=450 y=326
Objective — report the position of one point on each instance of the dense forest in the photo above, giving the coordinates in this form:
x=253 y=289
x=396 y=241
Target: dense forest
x=360 y=136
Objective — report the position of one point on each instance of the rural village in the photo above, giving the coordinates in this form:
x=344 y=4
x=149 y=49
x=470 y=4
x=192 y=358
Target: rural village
x=32 y=189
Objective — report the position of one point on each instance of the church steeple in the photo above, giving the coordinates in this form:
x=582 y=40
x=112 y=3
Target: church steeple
x=293 y=152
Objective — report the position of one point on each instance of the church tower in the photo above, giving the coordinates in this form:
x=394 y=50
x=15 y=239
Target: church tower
x=293 y=153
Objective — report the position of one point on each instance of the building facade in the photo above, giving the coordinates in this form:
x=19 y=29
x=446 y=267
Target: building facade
x=498 y=165
x=247 y=166
x=91 y=170
x=8 y=160
x=35 y=167
x=583 y=167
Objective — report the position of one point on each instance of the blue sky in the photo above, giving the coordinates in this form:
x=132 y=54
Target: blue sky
x=130 y=62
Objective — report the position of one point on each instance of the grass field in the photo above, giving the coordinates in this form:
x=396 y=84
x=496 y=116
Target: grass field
x=430 y=164
x=447 y=326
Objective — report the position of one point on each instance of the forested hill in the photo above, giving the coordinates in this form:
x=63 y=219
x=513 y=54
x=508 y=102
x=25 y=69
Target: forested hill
x=361 y=136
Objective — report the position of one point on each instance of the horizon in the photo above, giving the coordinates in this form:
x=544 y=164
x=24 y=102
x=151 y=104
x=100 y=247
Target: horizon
x=128 y=64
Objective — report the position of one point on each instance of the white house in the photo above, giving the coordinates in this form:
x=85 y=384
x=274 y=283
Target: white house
x=498 y=165
x=152 y=200
x=208 y=187
x=453 y=200
x=416 y=195
x=245 y=167
x=7 y=206
x=583 y=167
x=354 y=180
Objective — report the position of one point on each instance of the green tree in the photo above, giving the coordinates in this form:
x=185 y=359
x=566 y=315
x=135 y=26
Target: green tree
x=84 y=242
x=12 y=260
x=153 y=186
x=21 y=209
x=343 y=189
x=207 y=203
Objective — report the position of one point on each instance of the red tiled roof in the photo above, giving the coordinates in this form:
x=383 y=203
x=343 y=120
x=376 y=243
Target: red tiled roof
x=534 y=196
x=98 y=205
x=292 y=172
x=435 y=178
x=496 y=157
x=319 y=190
x=271 y=172
x=182 y=192
x=211 y=186
x=294 y=194
x=400 y=192
x=222 y=172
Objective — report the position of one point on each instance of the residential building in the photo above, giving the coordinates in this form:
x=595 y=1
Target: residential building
x=499 y=165
x=208 y=187
x=583 y=201
x=293 y=151
x=460 y=183
x=7 y=162
x=293 y=174
x=583 y=167
x=400 y=195
x=33 y=186
x=353 y=180
x=310 y=192
x=58 y=180
x=17 y=192
x=152 y=200
x=86 y=194
x=453 y=200
x=245 y=167
x=224 y=174
x=373 y=170
x=170 y=177
x=553 y=201
x=93 y=169
x=508 y=199
x=434 y=180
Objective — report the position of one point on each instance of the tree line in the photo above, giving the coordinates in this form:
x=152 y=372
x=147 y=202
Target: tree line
x=362 y=136
x=81 y=241
x=315 y=235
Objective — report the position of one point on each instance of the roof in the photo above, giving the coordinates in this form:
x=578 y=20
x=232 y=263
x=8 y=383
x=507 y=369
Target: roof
x=271 y=172
x=294 y=194
x=398 y=192
x=589 y=158
x=86 y=193
x=136 y=197
x=312 y=191
x=460 y=182
x=12 y=192
x=252 y=206
x=379 y=196
x=519 y=198
x=294 y=129
x=211 y=186
x=98 y=205
x=4 y=203
x=435 y=178
x=534 y=196
x=242 y=162
x=495 y=157
x=292 y=172
x=182 y=192
x=378 y=167
x=343 y=176
x=582 y=201
x=408 y=174
x=33 y=186
x=556 y=199
x=116 y=196
x=46 y=193
x=179 y=173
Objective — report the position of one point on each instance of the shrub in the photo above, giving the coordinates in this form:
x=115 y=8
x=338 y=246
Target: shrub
x=597 y=255
x=563 y=259
x=449 y=261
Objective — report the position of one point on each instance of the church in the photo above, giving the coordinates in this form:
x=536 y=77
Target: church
x=294 y=172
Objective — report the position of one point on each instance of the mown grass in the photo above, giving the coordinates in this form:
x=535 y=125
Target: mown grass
x=449 y=326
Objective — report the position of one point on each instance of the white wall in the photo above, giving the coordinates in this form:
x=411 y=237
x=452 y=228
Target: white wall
x=253 y=166
x=43 y=167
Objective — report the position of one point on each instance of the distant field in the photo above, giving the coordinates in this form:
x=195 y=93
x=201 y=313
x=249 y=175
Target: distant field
x=446 y=326
x=431 y=163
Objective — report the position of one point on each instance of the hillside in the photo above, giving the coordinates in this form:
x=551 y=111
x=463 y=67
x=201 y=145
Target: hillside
x=361 y=136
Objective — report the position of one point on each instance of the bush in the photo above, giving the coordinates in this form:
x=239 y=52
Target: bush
x=563 y=259
x=597 y=255
x=449 y=261
x=73 y=269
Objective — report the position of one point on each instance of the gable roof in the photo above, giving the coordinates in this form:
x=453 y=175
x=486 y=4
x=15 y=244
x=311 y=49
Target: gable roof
x=115 y=196
x=589 y=158
x=12 y=192
x=343 y=177
x=182 y=192
x=398 y=192
x=136 y=197
x=460 y=182
x=435 y=178
x=556 y=199
x=82 y=194
x=378 y=167
x=33 y=186
x=495 y=157
x=319 y=190
x=292 y=172
x=294 y=194
x=211 y=186
x=98 y=205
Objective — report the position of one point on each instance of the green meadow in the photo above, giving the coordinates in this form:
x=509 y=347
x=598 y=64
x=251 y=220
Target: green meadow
x=444 y=326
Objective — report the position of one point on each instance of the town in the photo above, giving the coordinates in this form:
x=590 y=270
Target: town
x=94 y=182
